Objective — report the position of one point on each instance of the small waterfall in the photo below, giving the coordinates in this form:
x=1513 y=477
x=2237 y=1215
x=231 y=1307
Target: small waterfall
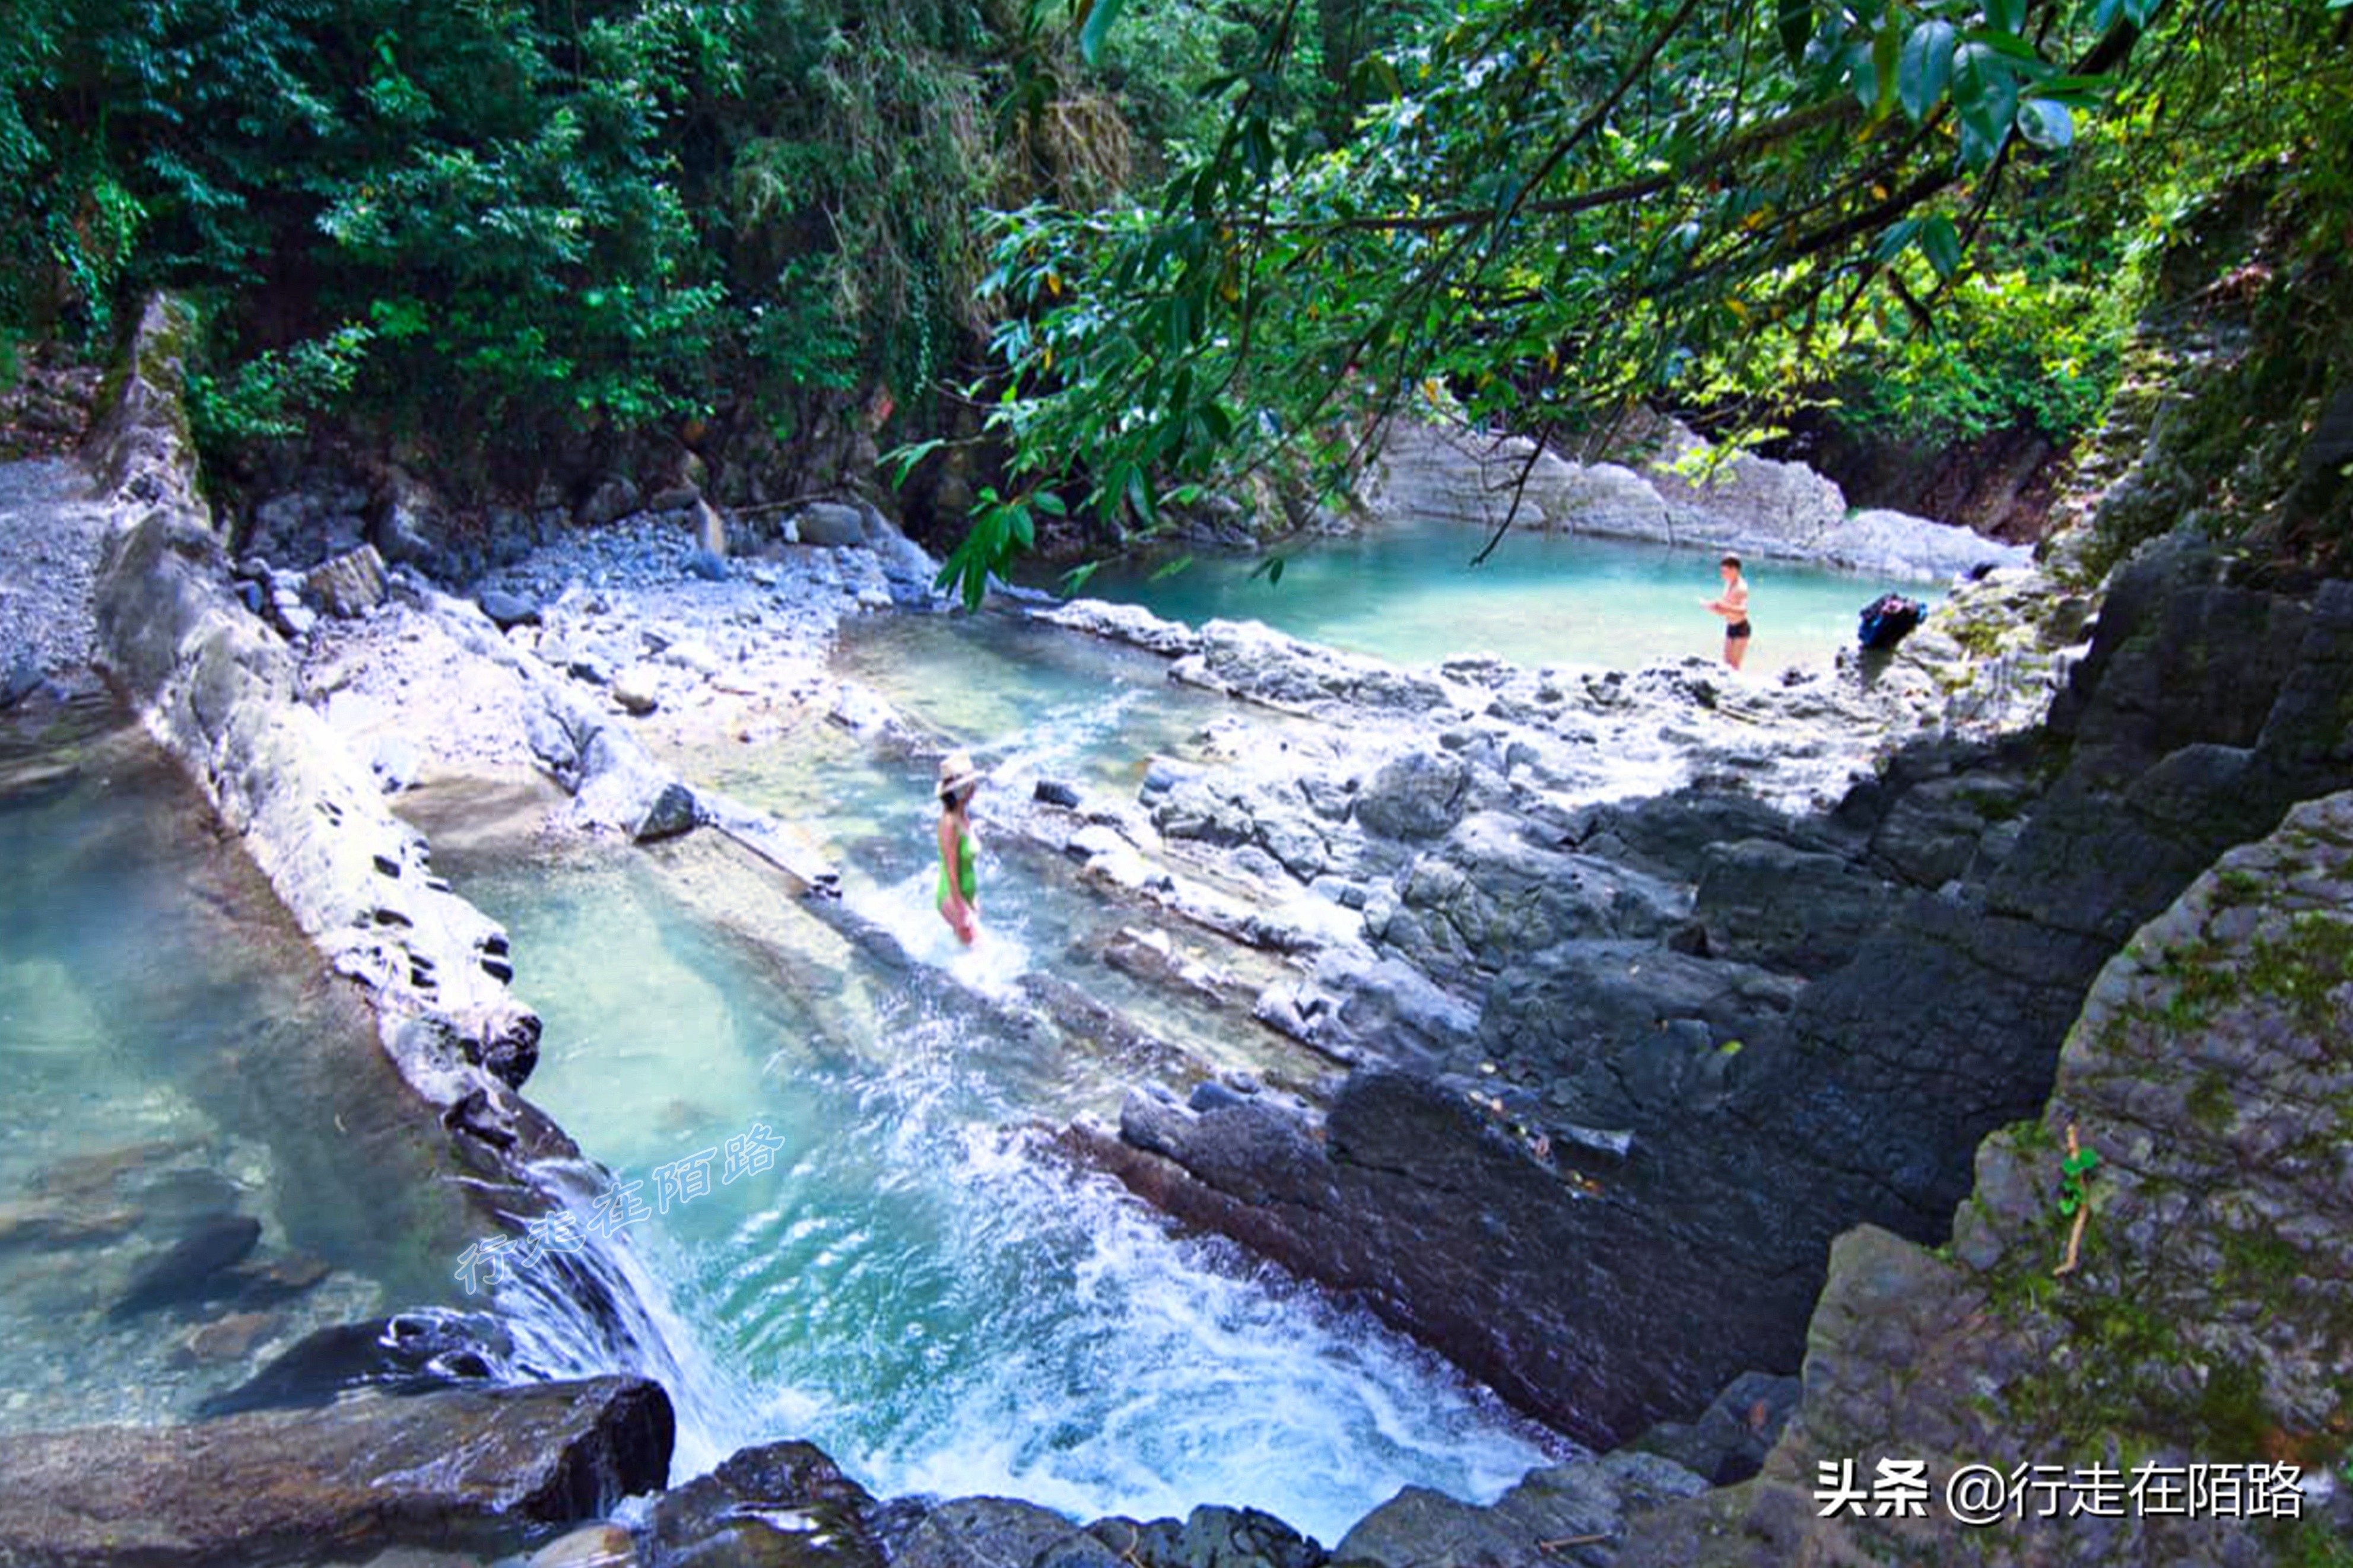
x=600 y=1311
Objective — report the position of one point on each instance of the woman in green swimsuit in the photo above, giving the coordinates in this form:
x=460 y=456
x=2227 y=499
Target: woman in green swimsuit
x=959 y=895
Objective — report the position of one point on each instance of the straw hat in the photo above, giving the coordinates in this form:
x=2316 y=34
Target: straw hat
x=956 y=771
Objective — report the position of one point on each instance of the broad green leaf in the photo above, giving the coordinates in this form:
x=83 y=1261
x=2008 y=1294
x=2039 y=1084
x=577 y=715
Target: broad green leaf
x=1094 y=25
x=1926 y=69
x=1076 y=577
x=908 y=457
x=1892 y=243
x=2005 y=16
x=2143 y=11
x=1168 y=569
x=1941 y=244
x=1050 y=503
x=2104 y=13
x=1885 y=50
x=2047 y=124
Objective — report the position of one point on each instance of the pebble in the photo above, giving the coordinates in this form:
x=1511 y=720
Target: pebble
x=51 y=531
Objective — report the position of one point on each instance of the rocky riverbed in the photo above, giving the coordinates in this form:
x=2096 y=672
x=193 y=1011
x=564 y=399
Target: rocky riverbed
x=1647 y=986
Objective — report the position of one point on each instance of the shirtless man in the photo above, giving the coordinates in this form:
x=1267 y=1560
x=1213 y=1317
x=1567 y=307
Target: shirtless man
x=1732 y=605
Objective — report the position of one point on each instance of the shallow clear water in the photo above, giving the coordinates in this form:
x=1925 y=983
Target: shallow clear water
x=1406 y=592
x=921 y=1284
x=171 y=1052
x=918 y=1283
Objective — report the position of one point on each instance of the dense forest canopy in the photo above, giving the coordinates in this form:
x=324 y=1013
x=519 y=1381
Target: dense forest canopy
x=1132 y=249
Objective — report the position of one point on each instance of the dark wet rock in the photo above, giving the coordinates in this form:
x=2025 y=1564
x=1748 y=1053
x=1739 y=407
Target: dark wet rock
x=612 y=499
x=411 y=1353
x=507 y=609
x=1760 y=901
x=1209 y=1537
x=1053 y=792
x=190 y=1267
x=1527 y=1287
x=1729 y=1440
x=1494 y=894
x=1854 y=998
x=673 y=812
x=2205 y=1314
x=445 y=1469
x=1573 y=1513
x=969 y=1532
x=784 y=1505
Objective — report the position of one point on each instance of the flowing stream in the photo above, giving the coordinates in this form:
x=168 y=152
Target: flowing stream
x=919 y=1282
x=851 y=1221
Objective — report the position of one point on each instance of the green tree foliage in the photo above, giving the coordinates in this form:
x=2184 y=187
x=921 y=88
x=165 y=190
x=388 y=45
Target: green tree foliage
x=1548 y=211
x=491 y=220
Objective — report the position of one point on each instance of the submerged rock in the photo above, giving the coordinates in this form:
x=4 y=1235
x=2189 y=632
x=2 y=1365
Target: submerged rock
x=189 y=1269
x=411 y=1353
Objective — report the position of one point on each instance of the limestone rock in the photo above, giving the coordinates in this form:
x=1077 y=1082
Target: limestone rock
x=507 y=609
x=638 y=688
x=347 y=585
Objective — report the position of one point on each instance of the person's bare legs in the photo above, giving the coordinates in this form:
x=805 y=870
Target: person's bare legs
x=1734 y=649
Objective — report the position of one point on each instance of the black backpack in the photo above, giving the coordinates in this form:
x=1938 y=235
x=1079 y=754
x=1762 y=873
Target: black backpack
x=1886 y=618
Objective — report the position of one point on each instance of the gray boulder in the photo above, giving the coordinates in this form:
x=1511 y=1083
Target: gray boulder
x=1418 y=794
x=781 y=1505
x=436 y=1470
x=508 y=610
x=1572 y=1513
x=969 y=1532
x=611 y=500
x=833 y=523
